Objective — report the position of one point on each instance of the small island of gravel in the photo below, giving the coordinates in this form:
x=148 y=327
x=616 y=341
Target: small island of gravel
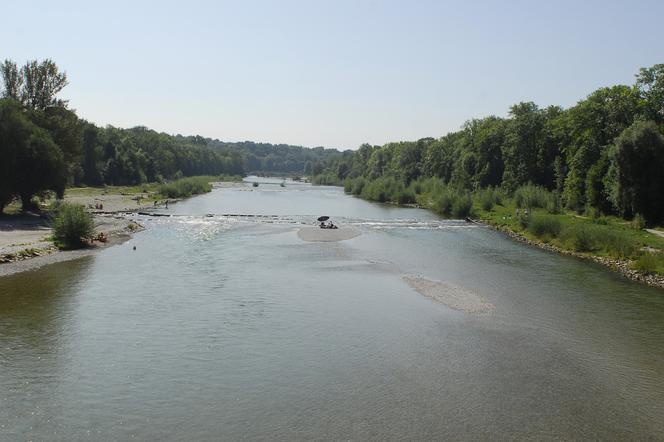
x=453 y=297
x=316 y=234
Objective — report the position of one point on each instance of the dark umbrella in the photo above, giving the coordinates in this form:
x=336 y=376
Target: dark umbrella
x=323 y=218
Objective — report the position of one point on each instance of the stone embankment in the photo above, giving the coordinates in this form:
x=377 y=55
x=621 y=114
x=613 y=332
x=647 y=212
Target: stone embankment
x=621 y=266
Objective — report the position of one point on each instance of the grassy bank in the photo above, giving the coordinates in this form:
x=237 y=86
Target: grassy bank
x=140 y=194
x=532 y=213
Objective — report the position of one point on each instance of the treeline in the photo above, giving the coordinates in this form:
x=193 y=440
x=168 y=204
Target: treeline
x=604 y=155
x=277 y=158
x=45 y=147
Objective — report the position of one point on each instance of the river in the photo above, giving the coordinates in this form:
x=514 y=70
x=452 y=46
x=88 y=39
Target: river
x=223 y=326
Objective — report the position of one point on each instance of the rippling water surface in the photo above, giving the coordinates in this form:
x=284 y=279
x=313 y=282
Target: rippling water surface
x=224 y=325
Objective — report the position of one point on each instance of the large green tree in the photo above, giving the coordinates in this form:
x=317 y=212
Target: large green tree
x=31 y=161
x=35 y=85
x=636 y=175
x=650 y=84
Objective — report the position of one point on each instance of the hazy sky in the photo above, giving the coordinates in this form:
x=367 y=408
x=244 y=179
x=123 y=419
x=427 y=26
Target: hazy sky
x=333 y=73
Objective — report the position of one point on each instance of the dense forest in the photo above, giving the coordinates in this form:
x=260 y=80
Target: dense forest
x=605 y=154
x=46 y=147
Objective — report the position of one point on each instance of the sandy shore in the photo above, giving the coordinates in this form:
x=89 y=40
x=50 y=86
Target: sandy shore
x=316 y=234
x=453 y=297
x=59 y=256
x=25 y=242
x=19 y=233
x=117 y=203
x=38 y=251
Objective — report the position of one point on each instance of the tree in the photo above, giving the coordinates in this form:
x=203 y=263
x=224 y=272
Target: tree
x=485 y=138
x=14 y=129
x=597 y=194
x=650 y=84
x=524 y=140
x=12 y=79
x=636 y=174
x=41 y=83
x=92 y=156
x=67 y=132
x=592 y=126
x=31 y=161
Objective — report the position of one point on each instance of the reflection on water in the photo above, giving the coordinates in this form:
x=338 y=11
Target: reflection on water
x=229 y=327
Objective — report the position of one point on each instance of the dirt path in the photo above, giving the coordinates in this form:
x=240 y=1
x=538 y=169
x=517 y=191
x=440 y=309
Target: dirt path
x=656 y=232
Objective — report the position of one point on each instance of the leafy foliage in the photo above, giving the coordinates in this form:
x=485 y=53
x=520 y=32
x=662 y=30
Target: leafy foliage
x=604 y=155
x=72 y=226
x=185 y=187
x=637 y=172
x=545 y=225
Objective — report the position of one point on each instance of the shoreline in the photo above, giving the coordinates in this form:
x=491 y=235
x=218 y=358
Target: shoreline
x=118 y=231
x=35 y=250
x=21 y=258
x=619 y=266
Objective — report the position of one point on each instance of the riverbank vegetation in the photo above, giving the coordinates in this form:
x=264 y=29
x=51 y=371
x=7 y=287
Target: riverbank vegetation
x=536 y=214
x=186 y=187
x=587 y=178
x=73 y=226
x=47 y=147
x=44 y=146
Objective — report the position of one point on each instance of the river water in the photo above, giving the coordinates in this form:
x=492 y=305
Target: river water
x=224 y=326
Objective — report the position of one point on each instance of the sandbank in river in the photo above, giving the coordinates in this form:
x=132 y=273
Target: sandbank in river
x=316 y=234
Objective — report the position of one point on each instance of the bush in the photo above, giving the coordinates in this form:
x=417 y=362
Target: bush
x=348 y=185
x=618 y=244
x=530 y=196
x=384 y=189
x=73 y=226
x=354 y=186
x=462 y=206
x=417 y=187
x=649 y=263
x=584 y=237
x=524 y=219
x=580 y=237
x=554 y=206
x=545 y=225
x=450 y=202
x=406 y=196
x=639 y=222
x=185 y=187
x=486 y=199
x=443 y=202
x=326 y=179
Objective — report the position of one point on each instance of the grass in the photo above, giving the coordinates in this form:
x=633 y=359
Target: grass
x=148 y=191
x=151 y=192
x=607 y=236
x=545 y=226
x=650 y=263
